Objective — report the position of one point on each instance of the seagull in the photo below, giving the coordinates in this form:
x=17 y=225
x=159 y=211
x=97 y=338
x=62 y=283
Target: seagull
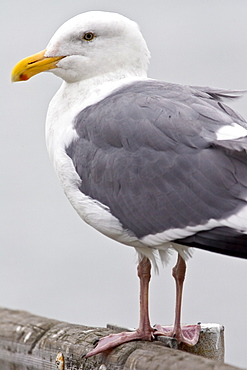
x=153 y=165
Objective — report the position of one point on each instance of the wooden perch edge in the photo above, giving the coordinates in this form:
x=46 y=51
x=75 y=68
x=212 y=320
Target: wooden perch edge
x=33 y=342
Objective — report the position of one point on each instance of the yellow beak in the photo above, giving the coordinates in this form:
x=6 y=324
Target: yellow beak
x=33 y=65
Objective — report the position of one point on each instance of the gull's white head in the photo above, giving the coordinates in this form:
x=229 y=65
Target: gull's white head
x=89 y=45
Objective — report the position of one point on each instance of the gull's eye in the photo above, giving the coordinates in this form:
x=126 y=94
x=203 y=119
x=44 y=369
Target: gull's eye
x=88 y=36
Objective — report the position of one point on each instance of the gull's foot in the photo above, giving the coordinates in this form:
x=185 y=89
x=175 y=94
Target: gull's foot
x=114 y=340
x=188 y=334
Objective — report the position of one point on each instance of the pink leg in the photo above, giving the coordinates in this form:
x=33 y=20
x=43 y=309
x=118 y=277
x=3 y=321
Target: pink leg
x=144 y=331
x=187 y=334
x=144 y=274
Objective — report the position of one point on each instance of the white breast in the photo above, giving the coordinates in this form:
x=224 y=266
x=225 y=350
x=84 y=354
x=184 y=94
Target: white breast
x=66 y=104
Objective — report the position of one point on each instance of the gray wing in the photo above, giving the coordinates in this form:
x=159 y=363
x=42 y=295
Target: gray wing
x=150 y=153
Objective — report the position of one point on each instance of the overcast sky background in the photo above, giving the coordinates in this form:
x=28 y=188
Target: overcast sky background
x=52 y=263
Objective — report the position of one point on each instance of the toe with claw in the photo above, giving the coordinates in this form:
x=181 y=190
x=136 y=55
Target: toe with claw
x=188 y=334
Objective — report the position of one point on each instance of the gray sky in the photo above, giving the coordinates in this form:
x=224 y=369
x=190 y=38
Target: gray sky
x=52 y=263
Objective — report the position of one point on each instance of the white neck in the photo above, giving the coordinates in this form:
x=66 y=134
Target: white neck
x=92 y=90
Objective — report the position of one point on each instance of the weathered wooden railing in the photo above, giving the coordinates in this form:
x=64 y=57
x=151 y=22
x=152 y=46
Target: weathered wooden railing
x=29 y=342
